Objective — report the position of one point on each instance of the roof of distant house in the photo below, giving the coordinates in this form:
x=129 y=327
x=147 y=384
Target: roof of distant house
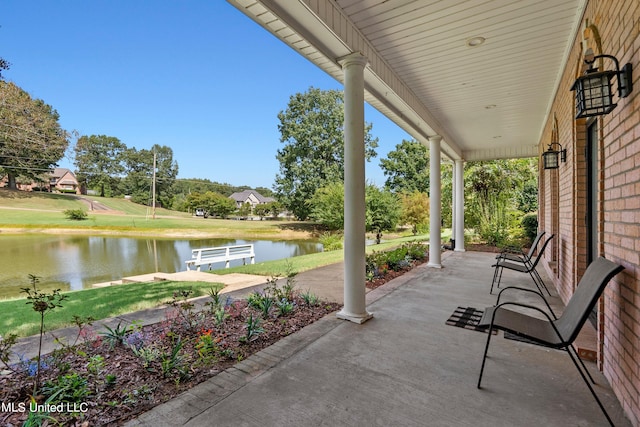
x=244 y=195
x=60 y=172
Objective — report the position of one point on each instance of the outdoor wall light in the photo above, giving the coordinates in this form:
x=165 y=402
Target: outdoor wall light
x=551 y=158
x=593 y=90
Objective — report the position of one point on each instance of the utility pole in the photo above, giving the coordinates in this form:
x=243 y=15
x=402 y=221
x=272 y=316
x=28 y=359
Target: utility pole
x=153 y=187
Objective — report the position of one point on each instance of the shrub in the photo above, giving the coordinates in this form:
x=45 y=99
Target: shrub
x=331 y=241
x=377 y=263
x=67 y=388
x=530 y=225
x=76 y=214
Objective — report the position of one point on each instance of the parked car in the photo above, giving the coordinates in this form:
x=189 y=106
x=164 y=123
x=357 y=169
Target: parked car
x=201 y=212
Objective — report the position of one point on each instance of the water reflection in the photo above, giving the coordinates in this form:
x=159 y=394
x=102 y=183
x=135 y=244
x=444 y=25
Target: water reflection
x=76 y=262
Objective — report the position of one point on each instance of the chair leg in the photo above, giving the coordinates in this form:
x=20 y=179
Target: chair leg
x=584 y=367
x=495 y=276
x=541 y=281
x=593 y=392
x=535 y=282
x=484 y=356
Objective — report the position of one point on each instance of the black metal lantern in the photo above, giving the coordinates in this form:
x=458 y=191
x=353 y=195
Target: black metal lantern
x=594 y=96
x=551 y=158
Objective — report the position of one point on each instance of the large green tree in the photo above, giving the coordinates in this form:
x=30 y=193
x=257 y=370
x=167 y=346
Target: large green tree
x=31 y=139
x=382 y=208
x=407 y=168
x=99 y=161
x=139 y=175
x=311 y=129
x=213 y=203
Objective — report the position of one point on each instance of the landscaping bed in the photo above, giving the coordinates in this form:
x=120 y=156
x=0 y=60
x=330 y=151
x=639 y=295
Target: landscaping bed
x=113 y=377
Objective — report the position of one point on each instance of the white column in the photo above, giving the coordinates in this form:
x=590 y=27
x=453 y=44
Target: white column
x=454 y=188
x=458 y=179
x=435 y=198
x=354 y=191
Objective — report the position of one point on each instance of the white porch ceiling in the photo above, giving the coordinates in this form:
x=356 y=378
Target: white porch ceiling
x=487 y=102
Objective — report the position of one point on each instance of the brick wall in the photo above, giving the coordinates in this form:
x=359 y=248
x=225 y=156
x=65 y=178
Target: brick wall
x=615 y=30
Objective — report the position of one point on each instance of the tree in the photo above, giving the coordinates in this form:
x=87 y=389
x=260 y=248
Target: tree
x=382 y=208
x=139 y=174
x=222 y=206
x=213 y=203
x=99 y=160
x=4 y=65
x=383 y=211
x=261 y=210
x=407 y=168
x=446 y=185
x=494 y=191
x=327 y=206
x=415 y=209
x=31 y=139
x=313 y=156
x=244 y=210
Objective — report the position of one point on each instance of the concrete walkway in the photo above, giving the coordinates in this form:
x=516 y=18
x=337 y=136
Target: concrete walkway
x=405 y=367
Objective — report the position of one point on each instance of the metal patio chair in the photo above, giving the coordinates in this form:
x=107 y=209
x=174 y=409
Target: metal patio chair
x=522 y=267
x=517 y=254
x=559 y=333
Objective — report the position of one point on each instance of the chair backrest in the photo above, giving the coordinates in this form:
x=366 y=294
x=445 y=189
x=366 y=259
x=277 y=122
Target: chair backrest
x=534 y=245
x=541 y=252
x=589 y=289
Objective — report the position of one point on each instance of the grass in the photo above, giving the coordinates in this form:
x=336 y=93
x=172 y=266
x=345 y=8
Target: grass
x=99 y=303
x=31 y=212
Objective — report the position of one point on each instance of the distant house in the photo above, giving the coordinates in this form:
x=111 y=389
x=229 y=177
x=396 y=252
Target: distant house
x=250 y=196
x=59 y=180
x=63 y=181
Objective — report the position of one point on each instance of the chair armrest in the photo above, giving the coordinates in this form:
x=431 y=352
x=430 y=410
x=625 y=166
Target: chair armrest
x=533 y=291
x=519 y=289
x=512 y=250
x=519 y=304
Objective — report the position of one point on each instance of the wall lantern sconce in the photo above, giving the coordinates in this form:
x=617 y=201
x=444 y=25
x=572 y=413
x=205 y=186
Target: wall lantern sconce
x=551 y=158
x=593 y=90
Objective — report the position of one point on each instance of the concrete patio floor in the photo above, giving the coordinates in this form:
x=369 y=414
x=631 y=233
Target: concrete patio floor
x=404 y=367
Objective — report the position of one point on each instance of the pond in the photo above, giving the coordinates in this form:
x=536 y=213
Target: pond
x=72 y=262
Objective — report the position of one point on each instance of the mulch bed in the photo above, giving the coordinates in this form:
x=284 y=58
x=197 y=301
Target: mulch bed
x=391 y=274
x=115 y=385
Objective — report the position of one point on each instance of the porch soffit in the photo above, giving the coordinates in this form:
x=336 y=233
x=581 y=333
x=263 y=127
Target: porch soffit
x=487 y=102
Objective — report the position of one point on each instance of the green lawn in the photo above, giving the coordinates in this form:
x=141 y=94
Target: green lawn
x=34 y=211
x=100 y=303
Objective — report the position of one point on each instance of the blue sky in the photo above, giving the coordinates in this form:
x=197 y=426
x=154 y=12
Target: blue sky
x=197 y=76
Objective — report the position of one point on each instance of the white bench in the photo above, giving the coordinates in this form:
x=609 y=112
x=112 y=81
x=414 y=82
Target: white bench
x=224 y=254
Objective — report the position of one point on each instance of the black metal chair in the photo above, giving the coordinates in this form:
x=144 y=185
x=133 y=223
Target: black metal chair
x=522 y=267
x=517 y=254
x=556 y=333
